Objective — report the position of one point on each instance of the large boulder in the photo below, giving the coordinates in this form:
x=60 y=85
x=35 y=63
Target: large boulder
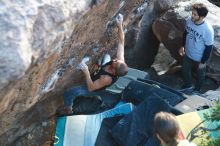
x=31 y=30
x=45 y=44
x=143 y=53
x=170 y=26
x=33 y=34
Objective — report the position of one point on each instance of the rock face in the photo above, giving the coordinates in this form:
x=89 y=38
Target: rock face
x=215 y=2
x=147 y=44
x=170 y=26
x=163 y=60
x=41 y=47
x=34 y=35
x=33 y=30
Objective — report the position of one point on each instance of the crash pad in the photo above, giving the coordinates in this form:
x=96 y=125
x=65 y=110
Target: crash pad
x=82 y=130
x=190 y=120
x=122 y=82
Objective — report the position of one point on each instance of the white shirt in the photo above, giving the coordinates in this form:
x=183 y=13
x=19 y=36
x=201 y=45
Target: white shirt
x=197 y=37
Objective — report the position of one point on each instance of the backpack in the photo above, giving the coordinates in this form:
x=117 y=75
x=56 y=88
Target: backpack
x=87 y=104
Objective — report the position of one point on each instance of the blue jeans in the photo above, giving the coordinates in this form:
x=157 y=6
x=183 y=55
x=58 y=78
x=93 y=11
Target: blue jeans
x=70 y=95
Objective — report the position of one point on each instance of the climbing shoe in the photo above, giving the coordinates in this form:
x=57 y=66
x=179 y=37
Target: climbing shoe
x=64 y=111
x=186 y=88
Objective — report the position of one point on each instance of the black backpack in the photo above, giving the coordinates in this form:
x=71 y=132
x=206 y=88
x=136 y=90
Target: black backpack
x=87 y=105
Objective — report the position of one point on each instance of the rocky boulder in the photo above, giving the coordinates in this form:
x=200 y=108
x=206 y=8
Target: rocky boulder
x=143 y=53
x=41 y=47
x=32 y=31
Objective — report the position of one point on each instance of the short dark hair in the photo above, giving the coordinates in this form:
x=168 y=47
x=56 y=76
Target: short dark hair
x=122 y=69
x=167 y=127
x=201 y=9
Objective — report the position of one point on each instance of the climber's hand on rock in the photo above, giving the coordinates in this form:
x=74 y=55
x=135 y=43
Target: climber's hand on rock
x=119 y=19
x=83 y=67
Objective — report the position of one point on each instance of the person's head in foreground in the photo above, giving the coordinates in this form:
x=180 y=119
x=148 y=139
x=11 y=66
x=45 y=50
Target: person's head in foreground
x=166 y=128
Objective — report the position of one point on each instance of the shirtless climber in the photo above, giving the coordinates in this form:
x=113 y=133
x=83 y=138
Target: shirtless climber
x=106 y=75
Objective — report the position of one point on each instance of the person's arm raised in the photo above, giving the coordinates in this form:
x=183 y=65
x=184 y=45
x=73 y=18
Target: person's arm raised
x=121 y=37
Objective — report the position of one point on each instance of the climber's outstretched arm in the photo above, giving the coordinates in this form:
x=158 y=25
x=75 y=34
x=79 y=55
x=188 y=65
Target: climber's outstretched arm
x=120 y=49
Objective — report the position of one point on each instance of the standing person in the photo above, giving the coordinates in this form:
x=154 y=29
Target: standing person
x=102 y=78
x=167 y=130
x=198 y=40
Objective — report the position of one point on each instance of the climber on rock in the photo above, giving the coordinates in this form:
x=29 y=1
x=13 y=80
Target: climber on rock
x=105 y=76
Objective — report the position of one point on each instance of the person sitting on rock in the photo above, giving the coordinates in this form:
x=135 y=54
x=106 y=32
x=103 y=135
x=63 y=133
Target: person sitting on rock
x=106 y=75
x=167 y=130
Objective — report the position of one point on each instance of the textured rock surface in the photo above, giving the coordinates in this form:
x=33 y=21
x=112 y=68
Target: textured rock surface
x=215 y=2
x=28 y=103
x=170 y=26
x=32 y=31
x=163 y=60
x=145 y=49
x=34 y=34
x=147 y=45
